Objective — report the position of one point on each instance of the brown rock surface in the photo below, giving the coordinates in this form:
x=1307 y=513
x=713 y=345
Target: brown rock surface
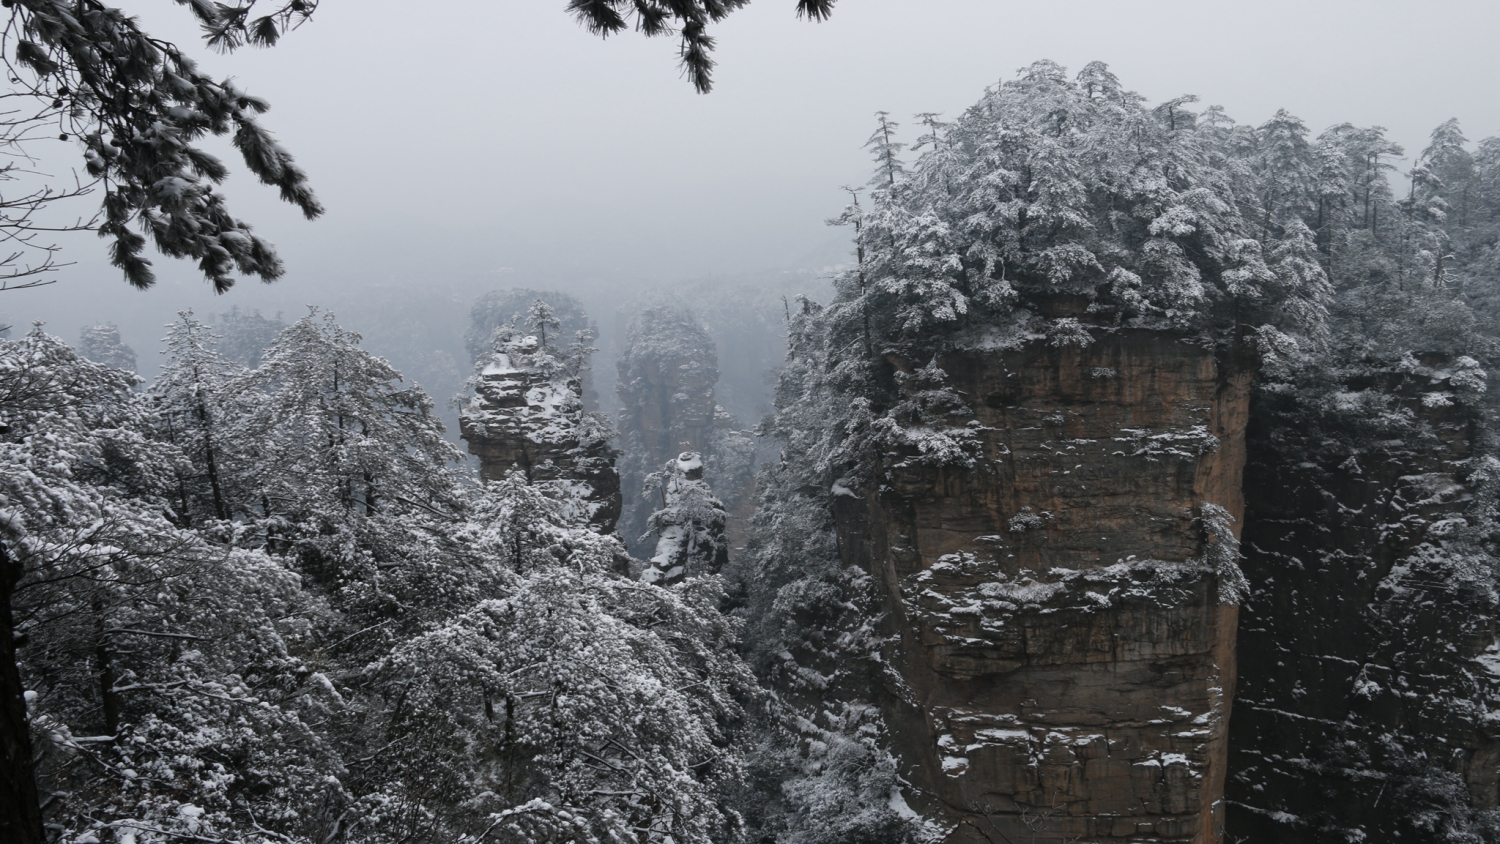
x=518 y=420
x=1061 y=661
x=666 y=378
x=1369 y=656
x=671 y=403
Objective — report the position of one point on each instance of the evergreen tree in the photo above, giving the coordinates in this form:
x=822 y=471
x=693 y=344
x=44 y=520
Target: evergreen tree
x=887 y=151
x=602 y=704
x=334 y=433
x=194 y=405
x=152 y=653
x=687 y=18
x=540 y=319
x=1284 y=170
x=438 y=656
x=138 y=106
x=502 y=307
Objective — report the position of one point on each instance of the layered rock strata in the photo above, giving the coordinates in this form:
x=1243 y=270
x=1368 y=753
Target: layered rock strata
x=1370 y=671
x=524 y=421
x=1060 y=616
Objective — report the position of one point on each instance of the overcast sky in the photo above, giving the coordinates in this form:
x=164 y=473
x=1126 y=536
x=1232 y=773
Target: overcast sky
x=464 y=144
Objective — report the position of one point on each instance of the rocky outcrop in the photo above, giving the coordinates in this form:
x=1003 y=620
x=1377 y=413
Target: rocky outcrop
x=689 y=527
x=520 y=419
x=1370 y=672
x=1060 y=616
x=667 y=375
x=511 y=306
x=666 y=384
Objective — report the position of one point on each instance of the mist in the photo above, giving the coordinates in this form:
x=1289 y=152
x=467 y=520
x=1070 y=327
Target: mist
x=470 y=146
x=1107 y=469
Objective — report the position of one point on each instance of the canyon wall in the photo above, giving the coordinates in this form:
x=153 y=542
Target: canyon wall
x=1370 y=673
x=666 y=378
x=1060 y=617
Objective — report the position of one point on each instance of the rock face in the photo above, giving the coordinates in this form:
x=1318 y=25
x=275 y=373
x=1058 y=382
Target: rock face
x=1367 y=649
x=499 y=307
x=689 y=527
x=667 y=375
x=524 y=420
x=666 y=384
x=1060 y=637
x=666 y=388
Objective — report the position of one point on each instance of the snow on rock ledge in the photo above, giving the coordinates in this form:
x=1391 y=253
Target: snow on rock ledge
x=1066 y=675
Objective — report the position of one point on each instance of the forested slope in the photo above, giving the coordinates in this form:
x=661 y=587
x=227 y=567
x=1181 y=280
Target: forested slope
x=263 y=605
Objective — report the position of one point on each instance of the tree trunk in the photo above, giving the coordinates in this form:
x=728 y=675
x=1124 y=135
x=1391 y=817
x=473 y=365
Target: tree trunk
x=20 y=812
x=212 y=464
x=108 y=697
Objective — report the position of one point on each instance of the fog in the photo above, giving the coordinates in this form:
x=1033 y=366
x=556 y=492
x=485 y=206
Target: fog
x=465 y=146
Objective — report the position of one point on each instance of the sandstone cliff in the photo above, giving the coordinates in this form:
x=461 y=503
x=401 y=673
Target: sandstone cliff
x=521 y=419
x=1061 y=615
x=1368 y=650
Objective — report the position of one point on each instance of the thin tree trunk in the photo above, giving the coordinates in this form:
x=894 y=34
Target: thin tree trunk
x=369 y=478
x=212 y=463
x=20 y=811
x=864 y=302
x=108 y=697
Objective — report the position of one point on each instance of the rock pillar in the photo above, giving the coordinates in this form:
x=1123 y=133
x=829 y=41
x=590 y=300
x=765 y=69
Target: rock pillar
x=1061 y=641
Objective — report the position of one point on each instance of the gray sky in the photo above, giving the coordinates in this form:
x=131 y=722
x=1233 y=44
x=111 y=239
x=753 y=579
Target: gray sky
x=460 y=145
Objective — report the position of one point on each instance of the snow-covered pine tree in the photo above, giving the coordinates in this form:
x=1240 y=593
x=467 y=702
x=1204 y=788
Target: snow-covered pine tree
x=194 y=406
x=151 y=654
x=346 y=472
x=603 y=706
x=512 y=306
x=334 y=432
x=580 y=706
x=541 y=320
x=824 y=774
x=138 y=106
x=688 y=19
x=887 y=152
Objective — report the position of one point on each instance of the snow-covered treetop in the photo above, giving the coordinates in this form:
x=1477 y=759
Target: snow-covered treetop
x=1071 y=195
x=329 y=404
x=513 y=306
